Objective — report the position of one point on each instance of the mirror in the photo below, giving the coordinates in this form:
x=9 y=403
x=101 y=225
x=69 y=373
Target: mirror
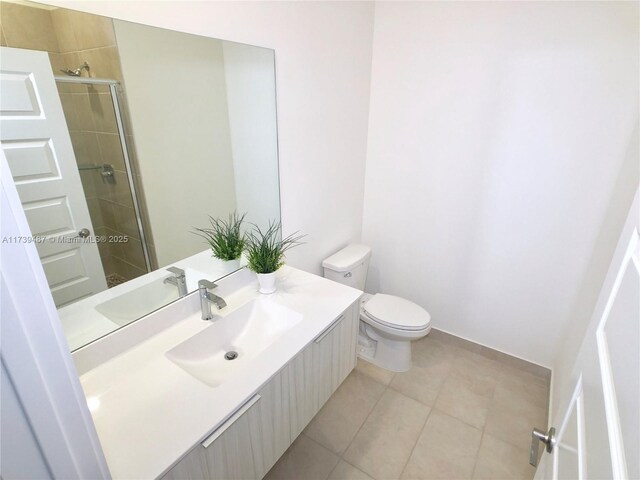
x=157 y=131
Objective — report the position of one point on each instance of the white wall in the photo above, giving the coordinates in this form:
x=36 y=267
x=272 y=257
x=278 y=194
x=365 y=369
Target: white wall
x=323 y=67
x=497 y=132
x=175 y=85
x=251 y=85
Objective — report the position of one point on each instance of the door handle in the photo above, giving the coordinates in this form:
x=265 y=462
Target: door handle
x=84 y=233
x=537 y=436
x=328 y=330
x=230 y=421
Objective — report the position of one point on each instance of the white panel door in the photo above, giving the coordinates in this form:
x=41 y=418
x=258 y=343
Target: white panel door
x=569 y=457
x=36 y=142
x=599 y=433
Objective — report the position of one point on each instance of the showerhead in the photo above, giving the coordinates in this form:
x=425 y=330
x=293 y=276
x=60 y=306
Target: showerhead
x=78 y=71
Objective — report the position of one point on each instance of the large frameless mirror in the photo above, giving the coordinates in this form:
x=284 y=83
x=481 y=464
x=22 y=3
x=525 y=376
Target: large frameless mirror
x=141 y=135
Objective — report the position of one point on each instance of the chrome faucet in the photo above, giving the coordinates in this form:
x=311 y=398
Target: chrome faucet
x=207 y=298
x=179 y=280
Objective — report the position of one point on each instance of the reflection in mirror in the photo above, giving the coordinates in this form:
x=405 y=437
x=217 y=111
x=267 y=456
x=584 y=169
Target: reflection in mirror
x=143 y=134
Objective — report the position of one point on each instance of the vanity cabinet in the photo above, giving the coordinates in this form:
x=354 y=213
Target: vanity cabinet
x=250 y=442
x=321 y=367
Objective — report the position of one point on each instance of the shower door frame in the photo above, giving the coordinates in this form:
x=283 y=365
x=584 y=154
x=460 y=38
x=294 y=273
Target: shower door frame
x=115 y=99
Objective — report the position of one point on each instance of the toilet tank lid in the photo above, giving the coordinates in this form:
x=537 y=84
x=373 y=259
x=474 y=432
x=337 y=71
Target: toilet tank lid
x=347 y=258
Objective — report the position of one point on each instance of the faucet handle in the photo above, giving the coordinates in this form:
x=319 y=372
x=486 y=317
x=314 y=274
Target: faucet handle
x=206 y=284
x=176 y=271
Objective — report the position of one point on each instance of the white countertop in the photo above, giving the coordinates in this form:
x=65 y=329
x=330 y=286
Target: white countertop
x=149 y=412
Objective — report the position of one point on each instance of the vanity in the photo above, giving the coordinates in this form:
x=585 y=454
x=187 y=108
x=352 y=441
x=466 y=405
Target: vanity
x=176 y=397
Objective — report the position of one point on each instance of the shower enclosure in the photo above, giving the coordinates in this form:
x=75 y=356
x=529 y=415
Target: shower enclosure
x=96 y=119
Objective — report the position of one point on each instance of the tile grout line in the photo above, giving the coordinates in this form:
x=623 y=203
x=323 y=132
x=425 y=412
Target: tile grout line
x=321 y=446
x=386 y=387
x=334 y=468
x=424 y=425
x=359 y=469
x=365 y=420
x=337 y=463
x=348 y=463
x=484 y=426
x=477 y=456
x=484 y=433
x=389 y=387
x=481 y=430
x=509 y=441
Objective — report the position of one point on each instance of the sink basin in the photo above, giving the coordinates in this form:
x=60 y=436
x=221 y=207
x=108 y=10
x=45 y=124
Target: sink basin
x=229 y=343
x=129 y=306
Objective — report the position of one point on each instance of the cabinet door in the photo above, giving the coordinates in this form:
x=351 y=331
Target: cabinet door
x=252 y=445
x=230 y=456
x=335 y=354
x=346 y=347
x=193 y=466
x=318 y=371
x=247 y=445
x=226 y=454
x=269 y=423
x=303 y=390
x=228 y=451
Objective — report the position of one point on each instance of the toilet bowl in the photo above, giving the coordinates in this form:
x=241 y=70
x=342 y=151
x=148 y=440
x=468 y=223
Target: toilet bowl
x=388 y=324
x=392 y=323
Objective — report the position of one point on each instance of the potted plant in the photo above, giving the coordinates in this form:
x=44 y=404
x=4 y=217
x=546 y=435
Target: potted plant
x=226 y=239
x=265 y=253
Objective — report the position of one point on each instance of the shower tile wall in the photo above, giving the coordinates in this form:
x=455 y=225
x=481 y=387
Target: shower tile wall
x=72 y=38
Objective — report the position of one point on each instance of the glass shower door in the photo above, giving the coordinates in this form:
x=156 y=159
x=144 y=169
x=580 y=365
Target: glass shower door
x=95 y=122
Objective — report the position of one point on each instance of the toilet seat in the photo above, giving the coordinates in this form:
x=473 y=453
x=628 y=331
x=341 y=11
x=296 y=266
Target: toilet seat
x=395 y=312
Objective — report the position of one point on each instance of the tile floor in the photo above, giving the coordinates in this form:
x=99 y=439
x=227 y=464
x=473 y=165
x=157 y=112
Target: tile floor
x=463 y=411
x=114 y=279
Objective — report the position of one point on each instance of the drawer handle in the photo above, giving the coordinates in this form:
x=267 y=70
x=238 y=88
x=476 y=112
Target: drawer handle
x=328 y=330
x=230 y=421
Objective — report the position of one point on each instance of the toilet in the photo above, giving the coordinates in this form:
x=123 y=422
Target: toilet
x=388 y=324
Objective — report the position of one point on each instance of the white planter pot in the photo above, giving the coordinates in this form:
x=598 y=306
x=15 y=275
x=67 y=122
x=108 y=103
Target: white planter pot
x=226 y=266
x=267 y=282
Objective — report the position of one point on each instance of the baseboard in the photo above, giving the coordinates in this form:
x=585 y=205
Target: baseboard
x=492 y=353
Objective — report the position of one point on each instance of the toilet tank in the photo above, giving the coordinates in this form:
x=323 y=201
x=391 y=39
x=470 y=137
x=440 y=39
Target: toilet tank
x=348 y=266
